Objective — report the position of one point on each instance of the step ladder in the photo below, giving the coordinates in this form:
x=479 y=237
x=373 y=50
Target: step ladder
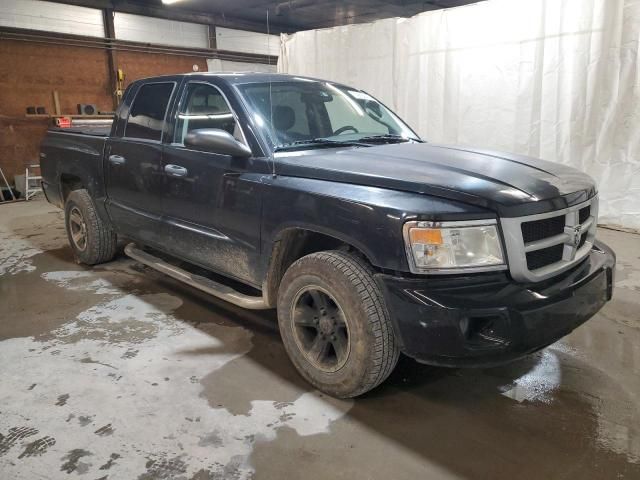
x=29 y=188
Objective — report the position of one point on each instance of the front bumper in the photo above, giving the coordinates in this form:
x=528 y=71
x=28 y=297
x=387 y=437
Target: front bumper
x=486 y=320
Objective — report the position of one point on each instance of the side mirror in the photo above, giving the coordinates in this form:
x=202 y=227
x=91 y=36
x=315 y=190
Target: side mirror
x=215 y=140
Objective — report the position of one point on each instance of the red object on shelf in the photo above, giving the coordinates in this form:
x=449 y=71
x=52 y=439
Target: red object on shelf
x=63 y=122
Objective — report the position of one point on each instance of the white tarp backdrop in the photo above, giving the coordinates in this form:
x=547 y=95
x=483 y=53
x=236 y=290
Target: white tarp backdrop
x=555 y=79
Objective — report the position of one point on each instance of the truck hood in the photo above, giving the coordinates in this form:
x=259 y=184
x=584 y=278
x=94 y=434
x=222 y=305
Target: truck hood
x=512 y=185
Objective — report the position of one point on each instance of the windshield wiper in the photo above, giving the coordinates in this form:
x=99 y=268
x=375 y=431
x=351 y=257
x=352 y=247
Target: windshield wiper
x=388 y=138
x=320 y=142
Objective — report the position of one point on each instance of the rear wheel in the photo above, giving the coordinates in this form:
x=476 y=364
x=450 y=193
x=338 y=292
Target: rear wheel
x=334 y=324
x=91 y=240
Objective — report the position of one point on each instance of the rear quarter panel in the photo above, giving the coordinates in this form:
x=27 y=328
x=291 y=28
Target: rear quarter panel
x=72 y=154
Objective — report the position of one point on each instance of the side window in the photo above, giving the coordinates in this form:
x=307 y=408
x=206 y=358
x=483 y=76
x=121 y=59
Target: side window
x=146 y=117
x=204 y=106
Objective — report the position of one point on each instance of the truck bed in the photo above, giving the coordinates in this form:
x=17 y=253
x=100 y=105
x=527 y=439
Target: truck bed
x=75 y=152
x=102 y=129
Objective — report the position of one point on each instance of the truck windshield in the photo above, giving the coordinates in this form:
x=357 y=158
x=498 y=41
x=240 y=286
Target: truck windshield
x=311 y=114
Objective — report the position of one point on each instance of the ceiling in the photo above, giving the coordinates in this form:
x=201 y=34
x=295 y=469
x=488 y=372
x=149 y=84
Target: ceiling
x=295 y=15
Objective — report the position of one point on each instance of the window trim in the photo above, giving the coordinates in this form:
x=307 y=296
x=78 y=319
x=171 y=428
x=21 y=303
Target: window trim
x=181 y=104
x=164 y=119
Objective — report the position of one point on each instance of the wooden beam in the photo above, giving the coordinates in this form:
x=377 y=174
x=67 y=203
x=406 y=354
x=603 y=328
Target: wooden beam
x=56 y=102
x=213 y=41
x=110 y=34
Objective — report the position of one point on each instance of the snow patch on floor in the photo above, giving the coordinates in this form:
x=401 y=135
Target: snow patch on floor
x=15 y=254
x=119 y=379
x=81 y=280
x=17 y=247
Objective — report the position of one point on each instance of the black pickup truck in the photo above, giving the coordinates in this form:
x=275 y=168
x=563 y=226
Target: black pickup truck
x=277 y=191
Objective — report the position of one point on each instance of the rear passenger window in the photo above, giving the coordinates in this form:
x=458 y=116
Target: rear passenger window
x=204 y=106
x=146 y=117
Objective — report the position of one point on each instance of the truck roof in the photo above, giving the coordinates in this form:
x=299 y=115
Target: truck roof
x=238 y=78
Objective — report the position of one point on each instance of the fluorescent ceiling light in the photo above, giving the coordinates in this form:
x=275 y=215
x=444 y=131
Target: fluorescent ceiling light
x=169 y=2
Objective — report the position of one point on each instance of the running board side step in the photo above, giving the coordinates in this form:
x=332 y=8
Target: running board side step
x=204 y=284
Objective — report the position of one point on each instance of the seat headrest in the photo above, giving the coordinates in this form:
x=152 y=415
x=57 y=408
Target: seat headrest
x=283 y=117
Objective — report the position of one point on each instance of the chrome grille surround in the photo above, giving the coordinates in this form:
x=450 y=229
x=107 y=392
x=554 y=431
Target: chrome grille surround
x=571 y=239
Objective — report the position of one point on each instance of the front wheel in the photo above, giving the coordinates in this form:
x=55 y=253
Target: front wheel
x=91 y=239
x=335 y=325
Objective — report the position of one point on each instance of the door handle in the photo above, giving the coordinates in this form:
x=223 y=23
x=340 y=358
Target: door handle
x=175 y=170
x=117 y=159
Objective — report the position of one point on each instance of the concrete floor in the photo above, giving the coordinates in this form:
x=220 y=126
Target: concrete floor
x=118 y=372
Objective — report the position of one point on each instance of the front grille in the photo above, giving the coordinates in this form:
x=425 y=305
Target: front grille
x=543 y=245
x=546 y=256
x=582 y=241
x=584 y=214
x=539 y=229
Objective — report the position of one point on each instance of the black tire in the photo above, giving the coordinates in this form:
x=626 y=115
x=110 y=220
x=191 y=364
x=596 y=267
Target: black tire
x=348 y=285
x=100 y=240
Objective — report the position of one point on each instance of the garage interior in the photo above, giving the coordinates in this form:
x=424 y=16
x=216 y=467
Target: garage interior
x=117 y=371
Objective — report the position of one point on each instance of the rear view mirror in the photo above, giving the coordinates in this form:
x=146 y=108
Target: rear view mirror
x=215 y=140
x=374 y=107
x=316 y=97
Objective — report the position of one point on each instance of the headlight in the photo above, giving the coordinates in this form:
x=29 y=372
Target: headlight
x=447 y=247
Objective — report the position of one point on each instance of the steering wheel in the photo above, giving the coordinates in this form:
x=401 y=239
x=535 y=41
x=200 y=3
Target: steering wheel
x=346 y=128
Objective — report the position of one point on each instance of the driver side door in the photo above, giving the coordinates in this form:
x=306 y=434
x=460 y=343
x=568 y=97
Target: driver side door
x=211 y=203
